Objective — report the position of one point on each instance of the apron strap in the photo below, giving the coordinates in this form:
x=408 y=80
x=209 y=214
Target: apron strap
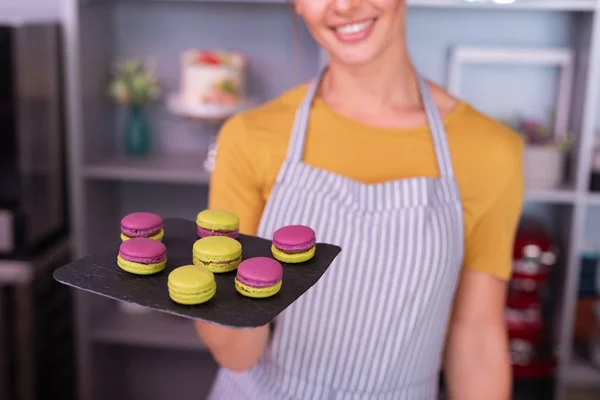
x=298 y=138
x=438 y=132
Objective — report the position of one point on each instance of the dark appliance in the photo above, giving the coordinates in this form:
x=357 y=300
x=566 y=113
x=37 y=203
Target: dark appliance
x=32 y=136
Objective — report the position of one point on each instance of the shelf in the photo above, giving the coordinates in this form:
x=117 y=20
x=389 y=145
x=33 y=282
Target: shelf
x=178 y=168
x=581 y=375
x=551 y=196
x=189 y=169
x=147 y=329
x=553 y=5
x=577 y=395
x=282 y=2
x=207 y=112
x=24 y=270
x=593 y=199
x=559 y=5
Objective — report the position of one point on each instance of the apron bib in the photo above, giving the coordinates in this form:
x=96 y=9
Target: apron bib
x=374 y=326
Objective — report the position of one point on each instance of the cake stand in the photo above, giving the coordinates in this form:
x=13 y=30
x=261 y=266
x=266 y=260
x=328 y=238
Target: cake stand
x=212 y=116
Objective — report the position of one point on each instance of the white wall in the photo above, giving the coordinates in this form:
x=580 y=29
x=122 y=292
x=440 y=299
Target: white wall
x=30 y=8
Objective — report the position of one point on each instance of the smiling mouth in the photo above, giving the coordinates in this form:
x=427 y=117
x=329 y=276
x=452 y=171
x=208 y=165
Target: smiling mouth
x=354 y=28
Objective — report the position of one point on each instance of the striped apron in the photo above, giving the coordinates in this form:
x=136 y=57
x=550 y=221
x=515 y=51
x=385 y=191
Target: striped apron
x=374 y=326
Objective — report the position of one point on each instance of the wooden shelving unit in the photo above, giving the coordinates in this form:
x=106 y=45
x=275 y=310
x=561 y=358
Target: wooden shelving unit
x=174 y=183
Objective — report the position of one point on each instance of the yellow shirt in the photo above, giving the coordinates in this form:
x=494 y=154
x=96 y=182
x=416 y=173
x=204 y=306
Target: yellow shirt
x=487 y=160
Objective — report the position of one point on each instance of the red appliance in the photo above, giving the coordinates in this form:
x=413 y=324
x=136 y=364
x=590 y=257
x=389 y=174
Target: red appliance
x=534 y=254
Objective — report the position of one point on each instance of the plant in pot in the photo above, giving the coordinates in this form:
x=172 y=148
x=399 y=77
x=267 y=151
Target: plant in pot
x=134 y=86
x=544 y=154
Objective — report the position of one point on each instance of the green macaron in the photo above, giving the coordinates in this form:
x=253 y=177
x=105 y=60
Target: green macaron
x=191 y=284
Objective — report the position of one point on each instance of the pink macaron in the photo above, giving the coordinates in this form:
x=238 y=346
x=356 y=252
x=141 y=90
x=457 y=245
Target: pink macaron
x=259 y=277
x=142 y=224
x=142 y=256
x=294 y=243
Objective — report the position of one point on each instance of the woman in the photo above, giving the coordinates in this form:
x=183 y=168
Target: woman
x=423 y=194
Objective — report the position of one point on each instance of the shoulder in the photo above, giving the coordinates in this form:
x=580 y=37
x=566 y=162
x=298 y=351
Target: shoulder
x=497 y=130
x=479 y=131
x=475 y=138
x=488 y=163
x=484 y=147
x=488 y=157
x=258 y=138
x=271 y=121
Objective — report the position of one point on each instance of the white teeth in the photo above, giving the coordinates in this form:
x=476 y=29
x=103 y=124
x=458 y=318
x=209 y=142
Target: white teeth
x=355 y=28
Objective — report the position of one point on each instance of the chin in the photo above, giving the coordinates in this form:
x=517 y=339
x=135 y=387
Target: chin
x=352 y=55
x=353 y=58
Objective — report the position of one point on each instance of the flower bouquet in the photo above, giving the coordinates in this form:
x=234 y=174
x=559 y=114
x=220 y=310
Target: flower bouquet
x=134 y=85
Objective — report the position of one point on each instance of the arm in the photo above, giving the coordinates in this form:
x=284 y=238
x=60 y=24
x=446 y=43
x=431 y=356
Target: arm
x=477 y=362
x=235 y=349
x=235 y=187
x=477 y=357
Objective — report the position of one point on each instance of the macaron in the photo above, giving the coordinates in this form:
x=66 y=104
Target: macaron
x=191 y=284
x=293 y=244
x=259 y=277
x=217 y=253
x=142 y=224
x=142 y=256
x=217 y=223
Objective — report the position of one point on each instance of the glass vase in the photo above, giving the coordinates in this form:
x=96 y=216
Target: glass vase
x=137 y=136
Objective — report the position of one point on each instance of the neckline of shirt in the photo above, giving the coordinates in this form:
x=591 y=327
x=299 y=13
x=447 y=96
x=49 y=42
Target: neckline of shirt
x=320 y=106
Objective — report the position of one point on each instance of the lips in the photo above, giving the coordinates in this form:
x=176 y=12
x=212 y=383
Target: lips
x=354 y=31
x=354 y=27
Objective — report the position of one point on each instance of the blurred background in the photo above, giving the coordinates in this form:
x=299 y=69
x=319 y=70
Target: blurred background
x=74 y=159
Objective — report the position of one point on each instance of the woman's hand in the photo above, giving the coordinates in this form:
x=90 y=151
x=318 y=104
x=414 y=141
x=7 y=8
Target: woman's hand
x=234 y=349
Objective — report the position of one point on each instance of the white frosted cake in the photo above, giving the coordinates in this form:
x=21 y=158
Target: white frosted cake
x=212 y=78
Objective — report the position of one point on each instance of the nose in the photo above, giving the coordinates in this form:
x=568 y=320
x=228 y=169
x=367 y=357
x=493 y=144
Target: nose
x=345 y=5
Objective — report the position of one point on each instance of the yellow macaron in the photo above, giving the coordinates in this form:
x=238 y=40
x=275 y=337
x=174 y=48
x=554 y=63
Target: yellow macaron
x=191 y=284
x=217 y=223
x=217 y=253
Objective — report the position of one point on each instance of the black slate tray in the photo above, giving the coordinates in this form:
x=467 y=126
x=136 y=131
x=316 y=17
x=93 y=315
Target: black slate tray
x=99 y=274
